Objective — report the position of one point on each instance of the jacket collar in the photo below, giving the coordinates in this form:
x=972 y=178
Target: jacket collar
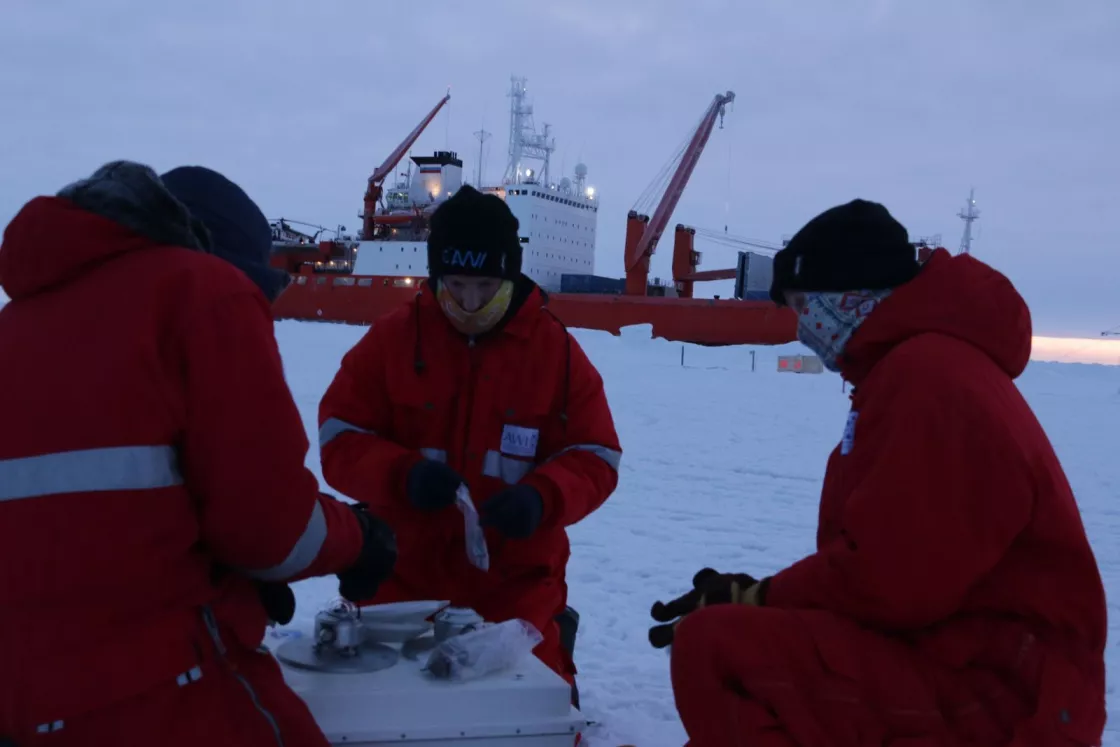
x=528 y=301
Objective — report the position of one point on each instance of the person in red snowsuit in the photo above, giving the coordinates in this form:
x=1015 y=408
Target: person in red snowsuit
x=475 y=382
x=953 y=597
x=153 y=493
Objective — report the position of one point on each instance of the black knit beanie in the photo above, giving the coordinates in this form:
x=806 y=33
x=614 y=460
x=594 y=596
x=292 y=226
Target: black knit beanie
x=474 y=234
x=241 y=234
x=855 y=246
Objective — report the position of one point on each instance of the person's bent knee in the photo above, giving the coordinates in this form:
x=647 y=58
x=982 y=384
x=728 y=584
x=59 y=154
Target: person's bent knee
x=712 y=628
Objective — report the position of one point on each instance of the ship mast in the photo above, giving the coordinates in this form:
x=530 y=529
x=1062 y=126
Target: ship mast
x=525 y=143
x=482 y=136
x=969 y=215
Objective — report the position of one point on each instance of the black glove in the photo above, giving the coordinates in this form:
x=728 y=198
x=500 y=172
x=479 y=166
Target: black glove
x=708 y=587
x=432 y=485
x=278 y=601
x=375 y=563
x=275 y=596
x=516 y=511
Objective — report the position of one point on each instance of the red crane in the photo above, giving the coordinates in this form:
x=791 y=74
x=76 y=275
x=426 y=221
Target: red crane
x=373 y=186
x=642 y=232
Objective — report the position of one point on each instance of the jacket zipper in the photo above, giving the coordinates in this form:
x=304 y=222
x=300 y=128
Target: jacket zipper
x=464 y=449
x=470 y=404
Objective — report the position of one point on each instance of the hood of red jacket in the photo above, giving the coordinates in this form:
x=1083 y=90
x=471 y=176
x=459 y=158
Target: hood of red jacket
x=51 y=240
x=121 y=207
x=958 y=296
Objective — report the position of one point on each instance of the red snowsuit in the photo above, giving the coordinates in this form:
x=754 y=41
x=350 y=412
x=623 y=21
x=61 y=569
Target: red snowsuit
x=414 y=387
x=147 y=438
x=953 y=597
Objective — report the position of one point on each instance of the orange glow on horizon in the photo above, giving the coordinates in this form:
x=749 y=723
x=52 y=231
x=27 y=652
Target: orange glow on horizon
x=1103 y=350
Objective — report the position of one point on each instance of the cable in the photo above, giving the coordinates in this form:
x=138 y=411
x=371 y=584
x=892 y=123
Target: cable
x=657 y=187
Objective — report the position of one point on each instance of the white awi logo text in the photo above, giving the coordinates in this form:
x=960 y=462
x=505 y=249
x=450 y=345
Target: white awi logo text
x=520 y=442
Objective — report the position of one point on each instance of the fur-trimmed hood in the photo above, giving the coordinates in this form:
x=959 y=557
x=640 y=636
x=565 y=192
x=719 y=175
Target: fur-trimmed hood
x=123 y=204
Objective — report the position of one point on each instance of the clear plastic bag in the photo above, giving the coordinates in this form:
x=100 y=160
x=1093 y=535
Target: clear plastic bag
x=477 y=551
x=486 y=649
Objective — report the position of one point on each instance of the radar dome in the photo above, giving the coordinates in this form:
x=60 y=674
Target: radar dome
x=581 y=170
x=565 y=184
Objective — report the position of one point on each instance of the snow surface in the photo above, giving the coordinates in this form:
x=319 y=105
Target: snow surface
x=722 y=468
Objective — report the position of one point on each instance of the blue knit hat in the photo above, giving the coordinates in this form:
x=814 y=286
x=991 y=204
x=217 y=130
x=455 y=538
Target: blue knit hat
x=239 y=231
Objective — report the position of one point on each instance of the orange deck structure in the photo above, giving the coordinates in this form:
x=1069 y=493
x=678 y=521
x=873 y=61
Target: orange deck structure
x=361 y=300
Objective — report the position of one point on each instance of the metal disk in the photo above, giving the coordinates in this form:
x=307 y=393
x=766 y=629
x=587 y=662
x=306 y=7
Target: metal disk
x=371 y=657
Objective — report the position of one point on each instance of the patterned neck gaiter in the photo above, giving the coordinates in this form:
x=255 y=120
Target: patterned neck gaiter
x=828 y=320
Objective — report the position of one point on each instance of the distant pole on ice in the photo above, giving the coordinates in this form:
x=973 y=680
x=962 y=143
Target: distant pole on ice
x=482 y=136
x=969 y=215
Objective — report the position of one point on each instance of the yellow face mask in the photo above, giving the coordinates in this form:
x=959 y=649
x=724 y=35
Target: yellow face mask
x=476 y=322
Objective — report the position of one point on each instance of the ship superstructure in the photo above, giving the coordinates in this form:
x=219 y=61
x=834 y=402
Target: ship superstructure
x=558 y=219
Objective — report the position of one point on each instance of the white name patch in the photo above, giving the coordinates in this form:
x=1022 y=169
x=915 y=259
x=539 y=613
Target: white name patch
x=520 y=442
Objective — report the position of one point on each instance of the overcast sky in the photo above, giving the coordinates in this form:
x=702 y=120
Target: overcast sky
x=909 y=103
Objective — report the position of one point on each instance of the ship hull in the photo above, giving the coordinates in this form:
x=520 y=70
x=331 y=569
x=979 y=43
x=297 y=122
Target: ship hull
x=361 y=300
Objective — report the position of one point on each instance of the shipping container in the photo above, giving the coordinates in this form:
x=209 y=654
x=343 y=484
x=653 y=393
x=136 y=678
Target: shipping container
x=800 y=364
x=591 y=284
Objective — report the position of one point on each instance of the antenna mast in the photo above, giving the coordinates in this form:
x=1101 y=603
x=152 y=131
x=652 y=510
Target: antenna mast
x=524 y=140
x=970 y=214
x=482 y=136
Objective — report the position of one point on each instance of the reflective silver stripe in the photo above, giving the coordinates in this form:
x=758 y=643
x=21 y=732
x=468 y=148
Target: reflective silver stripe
x=610 y=456
x=333 y=427
x=303 y=553
x=194 y=674
x=512 y=471
x=88 y=470
x=507 y=469
x=438 y=455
